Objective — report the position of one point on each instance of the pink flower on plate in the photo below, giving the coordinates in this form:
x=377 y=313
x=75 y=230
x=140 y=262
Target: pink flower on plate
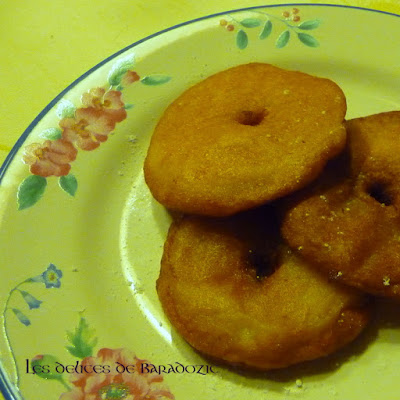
x=109 y=102
x=50 y=158
x=111 y=384
x=130 y=77
x=88 y=128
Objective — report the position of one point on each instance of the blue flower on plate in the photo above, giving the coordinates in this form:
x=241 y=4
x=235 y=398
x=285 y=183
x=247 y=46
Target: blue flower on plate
x=21 y=316
x=51 y=277
x=32 y=302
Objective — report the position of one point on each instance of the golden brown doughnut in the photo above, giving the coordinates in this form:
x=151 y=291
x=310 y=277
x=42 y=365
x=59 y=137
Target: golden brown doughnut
x=348 y=223
x=242 y=137
x=237 y=299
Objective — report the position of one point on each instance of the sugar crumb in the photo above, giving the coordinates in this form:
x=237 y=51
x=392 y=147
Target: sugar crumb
x=386 y=281
x=132 y=139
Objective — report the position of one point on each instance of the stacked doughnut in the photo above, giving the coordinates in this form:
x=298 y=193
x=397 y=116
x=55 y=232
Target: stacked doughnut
x=287 y=215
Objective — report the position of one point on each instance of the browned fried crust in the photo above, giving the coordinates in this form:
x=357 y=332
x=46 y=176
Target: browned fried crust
x=208 y=289
x=349 y=222
x=243 y=137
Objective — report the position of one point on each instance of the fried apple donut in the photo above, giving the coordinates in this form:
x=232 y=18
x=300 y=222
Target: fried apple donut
x=238 y=302
x=349 y=222
x=242 y=137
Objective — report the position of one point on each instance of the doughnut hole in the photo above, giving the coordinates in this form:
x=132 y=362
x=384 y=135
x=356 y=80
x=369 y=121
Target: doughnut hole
x=263 y=262
x=379 y=191
x=251 y=118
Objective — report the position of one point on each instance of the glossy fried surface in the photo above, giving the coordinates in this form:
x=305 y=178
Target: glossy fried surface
x=209 y=289
x=348 y=223
x=242 y=137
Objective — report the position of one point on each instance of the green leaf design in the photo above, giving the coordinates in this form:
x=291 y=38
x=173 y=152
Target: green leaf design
x=283 y=39
x=21 y=317
x=30 y=191
x=309 y=24
x=69 y=184
x=44 y=367
x=82 y=340
x=120 y=68
x=308 y=40
x=242 y=39
x=128 y=106
x=65 y=109
x=153 y=80
x=266 y=30
x=251 y=22
x=51 y=134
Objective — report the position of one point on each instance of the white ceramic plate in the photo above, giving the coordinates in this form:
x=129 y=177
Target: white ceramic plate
x=80 y=253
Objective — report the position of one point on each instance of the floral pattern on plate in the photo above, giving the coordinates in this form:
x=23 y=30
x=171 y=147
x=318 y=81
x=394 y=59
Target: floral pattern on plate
x=291 y=20
x=51 y=278
x=79 y=128
x=110 y=374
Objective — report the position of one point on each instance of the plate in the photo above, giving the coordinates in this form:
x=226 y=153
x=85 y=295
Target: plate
x=81 y=237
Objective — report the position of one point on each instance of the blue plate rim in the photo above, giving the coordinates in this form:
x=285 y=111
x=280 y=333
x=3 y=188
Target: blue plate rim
x=18 y=144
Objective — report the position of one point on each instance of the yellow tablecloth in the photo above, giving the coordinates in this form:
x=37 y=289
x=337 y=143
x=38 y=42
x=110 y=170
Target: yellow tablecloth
x=45 y=45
